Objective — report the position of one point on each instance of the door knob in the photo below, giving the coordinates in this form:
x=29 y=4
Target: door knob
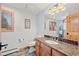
x=67 y=33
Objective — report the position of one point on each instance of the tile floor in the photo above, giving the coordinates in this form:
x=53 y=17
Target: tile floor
x=27 y=52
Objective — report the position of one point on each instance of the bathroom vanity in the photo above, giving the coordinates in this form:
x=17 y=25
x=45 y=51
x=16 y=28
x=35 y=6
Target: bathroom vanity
x=48 y=47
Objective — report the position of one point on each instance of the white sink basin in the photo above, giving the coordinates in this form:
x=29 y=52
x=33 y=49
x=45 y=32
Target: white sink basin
x=51 y=42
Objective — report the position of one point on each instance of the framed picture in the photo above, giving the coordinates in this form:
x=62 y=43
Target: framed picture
x=27 y=23
x=52 y=25
x=7 y=21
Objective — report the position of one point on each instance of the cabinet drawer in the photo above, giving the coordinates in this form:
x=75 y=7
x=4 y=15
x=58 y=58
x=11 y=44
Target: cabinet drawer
x=57 y=53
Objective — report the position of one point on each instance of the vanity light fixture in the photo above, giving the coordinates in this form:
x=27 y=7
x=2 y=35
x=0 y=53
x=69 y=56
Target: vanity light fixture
x=56 y=9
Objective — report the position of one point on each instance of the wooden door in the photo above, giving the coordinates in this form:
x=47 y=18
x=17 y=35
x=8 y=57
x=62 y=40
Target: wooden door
x=45 y=50
x=72 y=27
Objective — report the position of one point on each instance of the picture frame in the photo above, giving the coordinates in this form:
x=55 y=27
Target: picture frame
x=7 y=21
x=52 y=25
x=27 y=23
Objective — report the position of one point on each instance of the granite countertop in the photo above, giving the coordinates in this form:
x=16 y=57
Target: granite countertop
x=66 y=48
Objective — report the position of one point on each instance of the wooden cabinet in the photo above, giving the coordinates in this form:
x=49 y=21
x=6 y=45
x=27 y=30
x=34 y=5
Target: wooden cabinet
x=57 y=53
x=72 y=27
x=37 y=46
x=45 y=50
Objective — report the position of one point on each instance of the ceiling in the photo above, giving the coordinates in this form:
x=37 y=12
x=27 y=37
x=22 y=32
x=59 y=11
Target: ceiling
x=31 y=7
x=36 y=8
x=70 y=8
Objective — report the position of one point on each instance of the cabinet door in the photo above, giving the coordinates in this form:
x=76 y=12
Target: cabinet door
x=72 y=28
x=37 y=46
x=45 y=50
x=57 y=53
